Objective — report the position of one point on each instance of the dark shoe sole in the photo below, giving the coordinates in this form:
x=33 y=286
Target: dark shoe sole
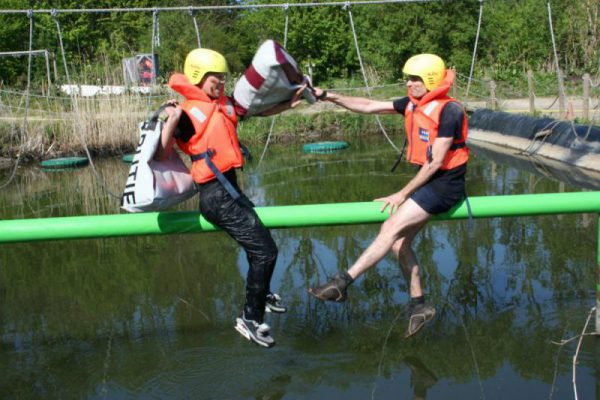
x=426 y=317
x=341 y=296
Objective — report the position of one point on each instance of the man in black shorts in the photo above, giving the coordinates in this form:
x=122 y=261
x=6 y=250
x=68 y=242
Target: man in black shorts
x=436 y=131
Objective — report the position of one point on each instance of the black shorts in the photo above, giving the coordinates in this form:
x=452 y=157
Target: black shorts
x=440 y=195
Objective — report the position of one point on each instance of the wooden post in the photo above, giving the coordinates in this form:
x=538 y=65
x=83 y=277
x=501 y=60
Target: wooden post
x=531 y=91
x=586 y=97
x=493 y=102
x=561 y=94
x=531 y=182
x=455 y=87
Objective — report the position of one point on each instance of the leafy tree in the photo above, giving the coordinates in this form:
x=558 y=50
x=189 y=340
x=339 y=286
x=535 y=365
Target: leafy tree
x=515 y=36
x=316 y=35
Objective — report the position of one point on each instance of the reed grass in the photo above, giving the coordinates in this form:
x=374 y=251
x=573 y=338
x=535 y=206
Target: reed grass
x=109 y=125
x=51 y=124
x=106 y=125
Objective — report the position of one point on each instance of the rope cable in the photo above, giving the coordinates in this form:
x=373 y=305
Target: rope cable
x=23 y=131
x=561 y=89
x=285 y=29
x=199 y=8
x=193 y=14
x=57 y=98
x=109 y=99
x=267 y=142
x=574 y=380
x=475 y=47
x=535 y=144
x=285 y=34
x=552 y=104
x=362 y=68
x=471 y=349
x=482 y=81
x=75 y=106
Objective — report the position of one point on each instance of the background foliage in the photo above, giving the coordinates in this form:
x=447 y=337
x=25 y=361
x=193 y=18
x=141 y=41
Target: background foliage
x=515 y=36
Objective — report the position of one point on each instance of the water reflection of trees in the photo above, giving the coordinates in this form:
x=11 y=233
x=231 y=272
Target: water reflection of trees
x=502 y=267
x=39 y=193
x=117 y=281
x=503 y=289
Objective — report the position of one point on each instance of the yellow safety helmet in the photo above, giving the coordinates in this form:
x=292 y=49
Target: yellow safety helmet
x=200 y=61
x=429 y=67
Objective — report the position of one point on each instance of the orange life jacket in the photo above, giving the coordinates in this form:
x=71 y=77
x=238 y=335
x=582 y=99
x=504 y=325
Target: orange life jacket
x=215 y=123
x=422 y=121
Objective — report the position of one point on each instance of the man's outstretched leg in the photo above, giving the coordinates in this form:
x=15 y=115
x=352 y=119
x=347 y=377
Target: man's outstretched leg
x=406 y=218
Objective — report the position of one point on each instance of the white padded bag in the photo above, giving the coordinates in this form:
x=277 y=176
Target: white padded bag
x=155 y=185
x=272 y=78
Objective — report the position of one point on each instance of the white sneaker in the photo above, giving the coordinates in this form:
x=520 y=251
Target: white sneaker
x=255 y=332
x=274 y=304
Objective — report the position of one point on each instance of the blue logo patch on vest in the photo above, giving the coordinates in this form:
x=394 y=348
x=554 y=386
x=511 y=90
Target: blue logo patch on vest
x=423 y=135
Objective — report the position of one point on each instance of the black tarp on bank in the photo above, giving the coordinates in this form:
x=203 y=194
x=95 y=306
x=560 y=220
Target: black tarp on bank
x=581 y=138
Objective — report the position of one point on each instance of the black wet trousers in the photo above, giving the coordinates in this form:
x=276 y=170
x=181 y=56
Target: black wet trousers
x=240 y=221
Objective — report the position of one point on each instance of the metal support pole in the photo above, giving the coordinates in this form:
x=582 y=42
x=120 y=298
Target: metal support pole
x=598 y=281
x=48 y=70
x=54 y=68
x=155 y=43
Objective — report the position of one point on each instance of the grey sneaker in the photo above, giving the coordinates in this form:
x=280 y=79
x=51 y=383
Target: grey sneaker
x=334 y=289
x=274 y=304
x=255 y=332
x=419 y=316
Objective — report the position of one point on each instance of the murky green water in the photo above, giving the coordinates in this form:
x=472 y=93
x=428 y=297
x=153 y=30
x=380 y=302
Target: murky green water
x=152 y=317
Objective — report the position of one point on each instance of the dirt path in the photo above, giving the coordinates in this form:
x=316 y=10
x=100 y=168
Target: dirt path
x=543 y=106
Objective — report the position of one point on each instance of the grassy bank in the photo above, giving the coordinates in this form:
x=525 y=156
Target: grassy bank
x=307 y=126
x=109 y=126
x=53 y=127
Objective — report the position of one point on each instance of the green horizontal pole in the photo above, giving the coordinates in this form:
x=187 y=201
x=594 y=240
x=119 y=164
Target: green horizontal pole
x=157 y=223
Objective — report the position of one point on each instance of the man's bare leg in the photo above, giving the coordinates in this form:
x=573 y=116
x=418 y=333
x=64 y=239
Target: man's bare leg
x=402 y=223
x=404 y=220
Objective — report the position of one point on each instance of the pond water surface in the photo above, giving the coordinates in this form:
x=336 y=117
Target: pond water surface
x=152 y=317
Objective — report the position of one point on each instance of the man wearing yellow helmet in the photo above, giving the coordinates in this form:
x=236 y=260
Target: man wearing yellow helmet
x=204 y=127
x=436 y=132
